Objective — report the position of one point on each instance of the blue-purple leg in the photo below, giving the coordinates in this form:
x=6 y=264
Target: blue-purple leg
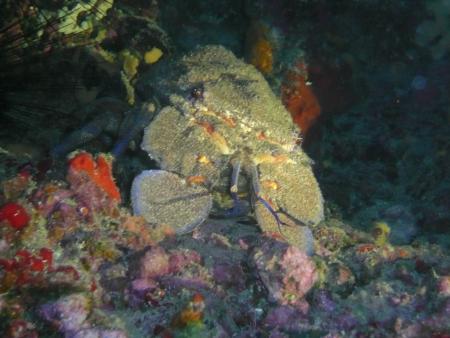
x=77 y=138
x=264 y=202
x=138 y=120
x=122 y=144
x=273 y=212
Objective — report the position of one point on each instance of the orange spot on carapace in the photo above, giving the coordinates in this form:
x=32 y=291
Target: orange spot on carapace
x=99 y=171
x=196 y=179
x=208 y=127
x=299 y=99
x=203 y=159
x=269 y=184
x=216 y=137
x=229 y=121
x=271 y=159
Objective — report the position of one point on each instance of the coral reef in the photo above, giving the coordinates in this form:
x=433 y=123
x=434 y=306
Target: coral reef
x=115 y=275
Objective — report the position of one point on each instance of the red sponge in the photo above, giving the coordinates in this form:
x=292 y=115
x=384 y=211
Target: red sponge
x=15 y=215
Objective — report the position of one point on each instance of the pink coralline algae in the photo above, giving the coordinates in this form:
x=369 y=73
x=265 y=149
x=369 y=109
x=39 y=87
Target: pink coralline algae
x=48 y=198
x=99 y=333
x=83 y=200
x=300 y=272
x=155 y=263
x=58 y=205
x=179 y=259
x=286 y=271
x=158 y=265
x=443 y=286
x=285 y=317
x=229 y=275
x=68 y=314
x=89 y=194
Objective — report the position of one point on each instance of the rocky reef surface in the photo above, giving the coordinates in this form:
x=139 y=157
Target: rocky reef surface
x=75 y=263
x=365 y=81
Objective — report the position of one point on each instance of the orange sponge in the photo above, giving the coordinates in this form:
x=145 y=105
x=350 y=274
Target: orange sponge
x=260 y=47
x=100 y=171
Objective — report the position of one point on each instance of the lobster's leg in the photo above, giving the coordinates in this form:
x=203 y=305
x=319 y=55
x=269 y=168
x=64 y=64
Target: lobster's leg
x=125 y=138
x=235 y=180
x=265 y=203
x=79 y=137
x=239 y=208
x=137 y=121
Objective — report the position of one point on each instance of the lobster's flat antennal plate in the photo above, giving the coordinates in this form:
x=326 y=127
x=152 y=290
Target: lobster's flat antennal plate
x=165 y=198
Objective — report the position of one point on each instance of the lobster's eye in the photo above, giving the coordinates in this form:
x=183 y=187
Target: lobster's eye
x=197 y=93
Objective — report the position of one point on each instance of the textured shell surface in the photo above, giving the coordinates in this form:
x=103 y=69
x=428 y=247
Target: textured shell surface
x=217 y=111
